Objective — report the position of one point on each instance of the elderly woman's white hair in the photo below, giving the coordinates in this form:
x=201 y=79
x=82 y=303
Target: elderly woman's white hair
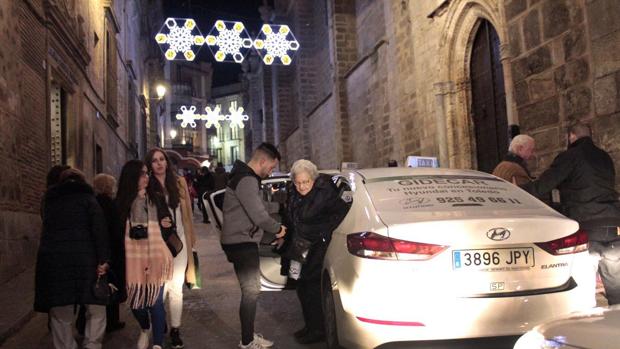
x=303 y=165
x=104 y=184
x=519 y=141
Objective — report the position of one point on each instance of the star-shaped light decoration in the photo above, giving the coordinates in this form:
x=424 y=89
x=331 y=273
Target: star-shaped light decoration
x=229 y=41
x=188 y=116
x=236 y=117
x=213 y=117
x=276 y=44
x=180 y=35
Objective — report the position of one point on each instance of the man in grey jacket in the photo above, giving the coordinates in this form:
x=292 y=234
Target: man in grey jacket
x=245 y=220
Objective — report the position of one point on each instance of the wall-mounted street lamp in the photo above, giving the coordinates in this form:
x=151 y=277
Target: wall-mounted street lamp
x=173 y=133
x=161 y=90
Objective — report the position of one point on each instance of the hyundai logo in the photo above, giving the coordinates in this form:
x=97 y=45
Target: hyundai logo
x=498 y=234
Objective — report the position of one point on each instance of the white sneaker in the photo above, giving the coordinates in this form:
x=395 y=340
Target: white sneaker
x=265 y=343
x=143 y=340
x=253 y=345
x=157 y=347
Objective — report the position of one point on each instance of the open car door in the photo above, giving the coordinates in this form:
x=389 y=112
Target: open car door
x=274 y=192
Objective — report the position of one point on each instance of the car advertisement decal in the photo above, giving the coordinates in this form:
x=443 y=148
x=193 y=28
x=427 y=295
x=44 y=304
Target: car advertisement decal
x=429 y=193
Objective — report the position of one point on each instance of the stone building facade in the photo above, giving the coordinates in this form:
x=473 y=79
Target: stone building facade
x=75 y=86
x=455 y=79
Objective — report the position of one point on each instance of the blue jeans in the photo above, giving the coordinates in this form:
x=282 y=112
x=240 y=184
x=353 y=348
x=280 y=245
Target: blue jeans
x=157 y=317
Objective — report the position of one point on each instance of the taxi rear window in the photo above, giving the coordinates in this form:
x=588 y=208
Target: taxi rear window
x=446 y=192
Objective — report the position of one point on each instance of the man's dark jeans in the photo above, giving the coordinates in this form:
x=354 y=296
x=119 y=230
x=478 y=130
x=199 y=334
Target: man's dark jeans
x=608 y=267
x=244 y=257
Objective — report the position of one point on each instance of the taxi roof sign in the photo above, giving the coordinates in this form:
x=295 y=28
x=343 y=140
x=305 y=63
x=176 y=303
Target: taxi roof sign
x=348 y=166
x=422 y=161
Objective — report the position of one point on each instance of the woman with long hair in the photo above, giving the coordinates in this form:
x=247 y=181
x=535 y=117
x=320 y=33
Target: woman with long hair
x=166 y=186
x=148 y=262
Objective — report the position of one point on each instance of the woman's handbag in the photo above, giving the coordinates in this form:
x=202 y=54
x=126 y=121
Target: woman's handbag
x=198 y=284
x=169 y=235
x=101 y=288
x=298 y=249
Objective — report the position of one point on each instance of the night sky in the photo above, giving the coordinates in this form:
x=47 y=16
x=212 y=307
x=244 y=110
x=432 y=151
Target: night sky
x=206 y=12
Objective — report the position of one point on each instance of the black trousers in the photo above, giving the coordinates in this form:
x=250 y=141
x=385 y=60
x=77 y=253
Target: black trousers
x=244 y=257
x=309 y=287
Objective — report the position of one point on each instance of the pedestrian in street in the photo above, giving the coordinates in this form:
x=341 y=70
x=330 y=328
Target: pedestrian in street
x=105 y=191
x=73 y=254
x=585 y=177
x=165 y=185
x=245 y=220
x=220 y=177
x=204 y=184
x=314 y=210
x=148 y=262
x=514 y=167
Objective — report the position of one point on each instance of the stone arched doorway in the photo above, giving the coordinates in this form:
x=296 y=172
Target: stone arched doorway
x=488 y=105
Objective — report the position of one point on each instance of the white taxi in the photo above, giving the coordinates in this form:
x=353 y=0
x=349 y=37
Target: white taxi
x=426 y=254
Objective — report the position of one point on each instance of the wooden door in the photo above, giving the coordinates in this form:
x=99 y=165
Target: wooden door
x=488 y=98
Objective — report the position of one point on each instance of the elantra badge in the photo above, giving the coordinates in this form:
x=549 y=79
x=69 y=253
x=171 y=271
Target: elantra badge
x=498 y=234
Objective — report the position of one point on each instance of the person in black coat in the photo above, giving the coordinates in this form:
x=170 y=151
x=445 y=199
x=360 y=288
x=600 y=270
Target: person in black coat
x=585 y=176
x=73 y=253
x=314 y=210
x=105 y=189
x=204 y=183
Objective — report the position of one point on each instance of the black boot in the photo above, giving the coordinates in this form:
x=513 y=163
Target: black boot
x=311 y=336
x=175 y=338
x=301 y=333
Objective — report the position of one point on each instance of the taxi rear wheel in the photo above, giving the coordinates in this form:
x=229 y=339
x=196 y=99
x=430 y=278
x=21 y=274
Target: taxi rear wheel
x=329 y=312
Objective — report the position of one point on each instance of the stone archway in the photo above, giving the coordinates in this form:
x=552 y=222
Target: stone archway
x=453 y=91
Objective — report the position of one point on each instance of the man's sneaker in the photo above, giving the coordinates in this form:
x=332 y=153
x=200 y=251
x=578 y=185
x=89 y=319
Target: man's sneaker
x=253 y=345
x=143 y=340
x=175 y=339
x=265 y=343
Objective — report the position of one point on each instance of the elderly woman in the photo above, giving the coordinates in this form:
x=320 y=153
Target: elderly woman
x=73 y=253
x=105 y=191
x=314 y=211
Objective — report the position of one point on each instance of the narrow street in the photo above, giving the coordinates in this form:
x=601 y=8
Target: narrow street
x=210 y=317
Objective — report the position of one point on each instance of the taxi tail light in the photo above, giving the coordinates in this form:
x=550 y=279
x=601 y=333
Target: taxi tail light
x=375 y=246
x=574 y=243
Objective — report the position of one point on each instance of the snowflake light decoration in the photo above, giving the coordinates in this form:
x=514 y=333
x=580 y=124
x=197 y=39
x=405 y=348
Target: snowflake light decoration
x=231 y=39
x=180 y=38
x=213 y=117
x=236 y=117
x=276 y=41
x=188 y=116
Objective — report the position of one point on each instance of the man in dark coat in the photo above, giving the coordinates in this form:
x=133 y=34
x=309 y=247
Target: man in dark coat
x=585 y=176
x=73 y=253
x=204 y=184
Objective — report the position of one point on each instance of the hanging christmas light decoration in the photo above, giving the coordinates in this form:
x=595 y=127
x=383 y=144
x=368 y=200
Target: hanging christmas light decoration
x=180 y=38
x=236 y=117
x=229 y=41
x=276 y=41
x=213 y=117
x=188 y=116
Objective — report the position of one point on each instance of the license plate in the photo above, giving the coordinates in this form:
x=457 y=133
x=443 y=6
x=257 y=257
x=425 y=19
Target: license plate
x=498 y=259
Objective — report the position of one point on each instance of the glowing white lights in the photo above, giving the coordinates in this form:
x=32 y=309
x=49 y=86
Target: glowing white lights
x=188 y=116
x=229 y=41
x=236 y=117
x=180 y=35
x=213 y=117
x=276 y=41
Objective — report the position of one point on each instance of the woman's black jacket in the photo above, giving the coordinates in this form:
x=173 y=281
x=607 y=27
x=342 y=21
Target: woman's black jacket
x=73 y=242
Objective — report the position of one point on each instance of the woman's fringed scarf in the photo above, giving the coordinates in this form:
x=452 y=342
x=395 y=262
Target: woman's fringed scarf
x=148 y=264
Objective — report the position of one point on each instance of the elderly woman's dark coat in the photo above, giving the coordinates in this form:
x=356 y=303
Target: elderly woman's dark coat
x=116 y=232
x=313 y=217
x=74 y=241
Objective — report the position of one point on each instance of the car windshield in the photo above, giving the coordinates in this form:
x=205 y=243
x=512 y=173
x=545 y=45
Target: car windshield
x=446 y=193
